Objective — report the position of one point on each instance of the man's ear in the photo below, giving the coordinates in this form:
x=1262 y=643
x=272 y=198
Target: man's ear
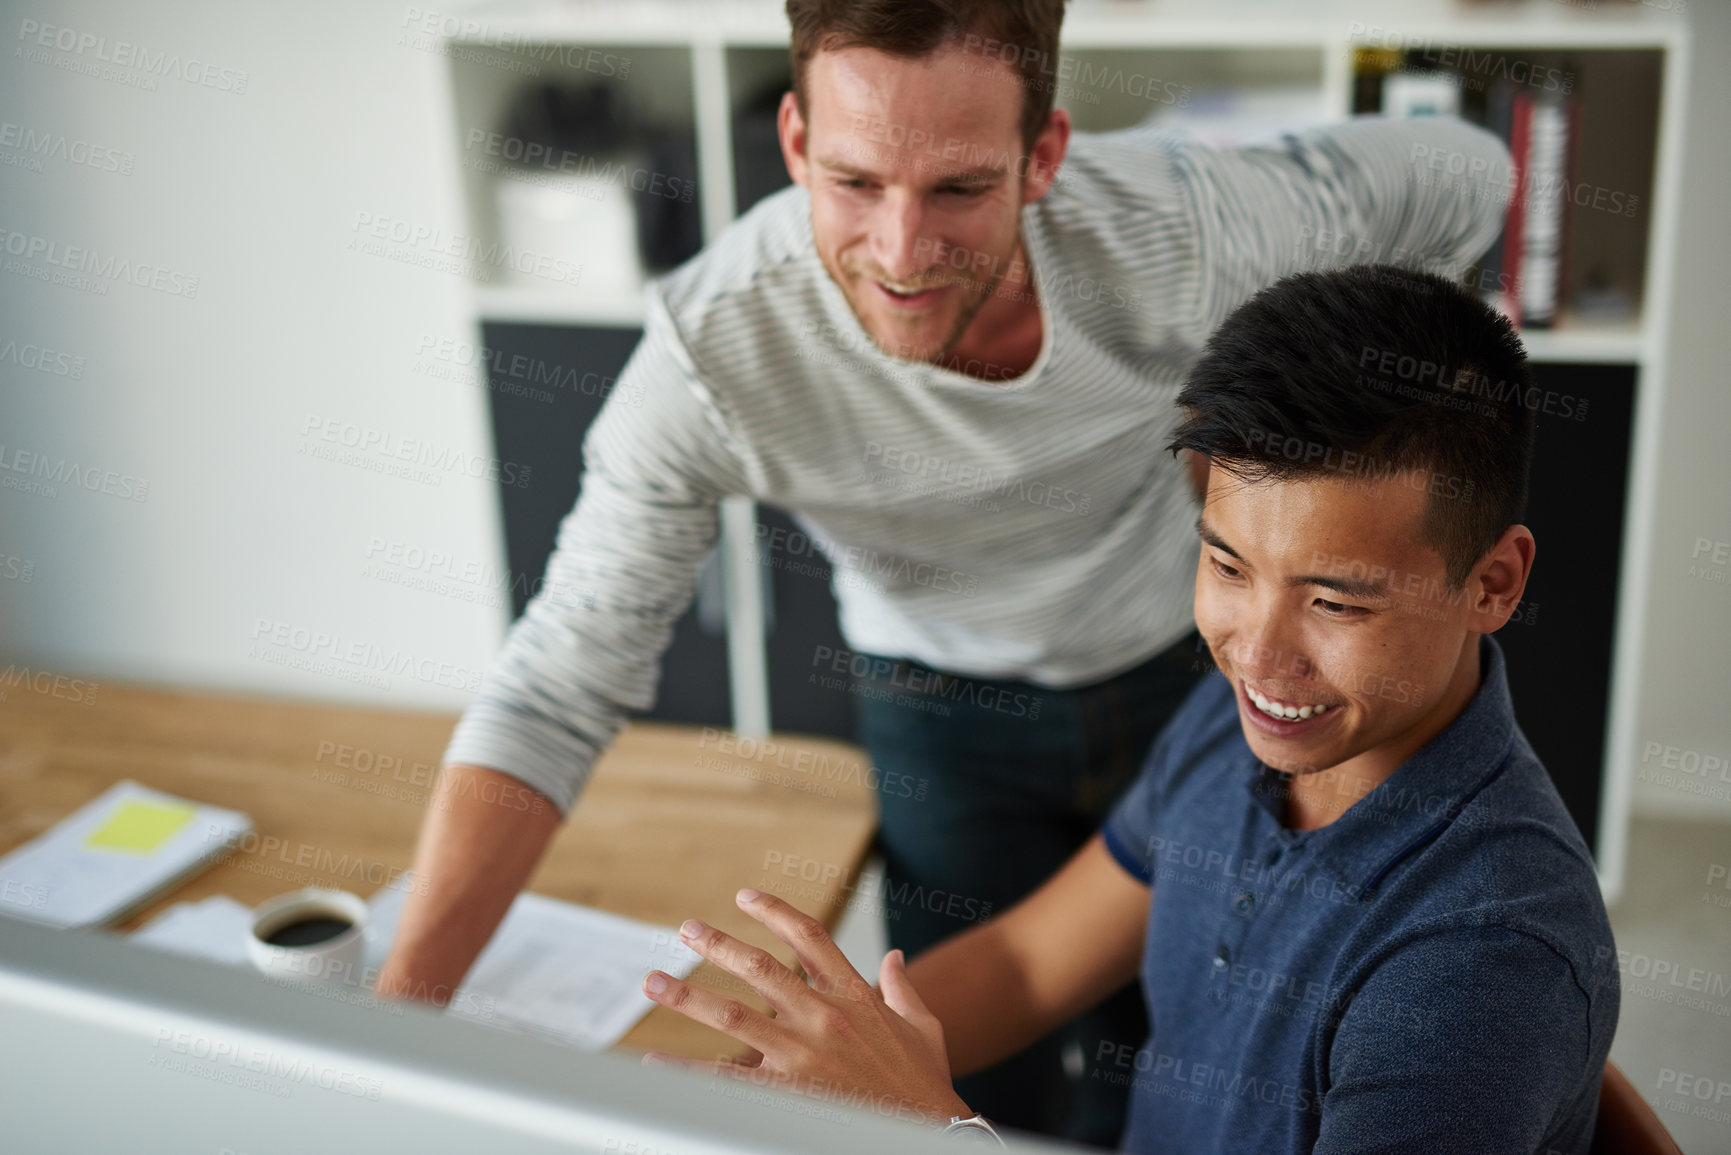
x=1048 y=154
x=1497 y=582
x=790 y=128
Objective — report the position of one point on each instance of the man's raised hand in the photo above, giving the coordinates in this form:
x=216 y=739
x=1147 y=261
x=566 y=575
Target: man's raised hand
x=836 y=1038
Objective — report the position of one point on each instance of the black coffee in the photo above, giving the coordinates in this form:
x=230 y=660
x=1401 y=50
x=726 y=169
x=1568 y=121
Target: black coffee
x=308 y=931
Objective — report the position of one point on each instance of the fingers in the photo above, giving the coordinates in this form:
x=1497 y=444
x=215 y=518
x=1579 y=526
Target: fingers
x=828 y=967
x=761 y=971
x=732 y=1018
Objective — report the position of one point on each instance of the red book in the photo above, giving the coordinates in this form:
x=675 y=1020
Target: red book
x=1520 y=122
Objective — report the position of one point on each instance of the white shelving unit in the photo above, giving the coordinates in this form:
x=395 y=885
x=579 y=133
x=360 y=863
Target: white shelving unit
x=541 y=307
x=687 y=62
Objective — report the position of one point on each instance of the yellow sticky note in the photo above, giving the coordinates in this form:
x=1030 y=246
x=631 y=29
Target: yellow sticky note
x=140 y=826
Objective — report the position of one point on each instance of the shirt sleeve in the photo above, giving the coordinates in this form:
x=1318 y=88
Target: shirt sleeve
x=1424 y=192
x=1470 y=1040
x=1129 y=828
x=657 y=461
x=1207 y=717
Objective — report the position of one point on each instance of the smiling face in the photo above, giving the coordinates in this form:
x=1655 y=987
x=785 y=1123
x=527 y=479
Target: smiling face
x=1330 y=615
x=917 y=180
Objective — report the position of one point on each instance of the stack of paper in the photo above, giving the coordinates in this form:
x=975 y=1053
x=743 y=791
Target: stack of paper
x=570 y=974
x=216 y=928
x=112 y=855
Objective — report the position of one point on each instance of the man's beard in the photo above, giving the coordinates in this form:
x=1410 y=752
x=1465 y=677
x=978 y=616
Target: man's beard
x=972 y=303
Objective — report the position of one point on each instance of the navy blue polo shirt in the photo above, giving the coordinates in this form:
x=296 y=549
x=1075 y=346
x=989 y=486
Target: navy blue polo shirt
x=1432 y=971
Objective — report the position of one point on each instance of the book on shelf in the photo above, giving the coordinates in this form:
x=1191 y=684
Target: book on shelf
x=1525 y=273
x=1526 y=270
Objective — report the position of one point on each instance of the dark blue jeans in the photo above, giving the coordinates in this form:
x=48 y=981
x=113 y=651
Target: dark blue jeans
x=999 y=783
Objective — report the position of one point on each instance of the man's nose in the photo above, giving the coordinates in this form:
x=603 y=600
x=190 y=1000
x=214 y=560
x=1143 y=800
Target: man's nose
x=1263 y=648
x=896 y=242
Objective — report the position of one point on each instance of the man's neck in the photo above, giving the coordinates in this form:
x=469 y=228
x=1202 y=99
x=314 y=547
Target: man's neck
x=1004 y=339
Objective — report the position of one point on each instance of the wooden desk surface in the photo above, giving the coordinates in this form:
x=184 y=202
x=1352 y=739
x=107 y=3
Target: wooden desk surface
x=671 y=824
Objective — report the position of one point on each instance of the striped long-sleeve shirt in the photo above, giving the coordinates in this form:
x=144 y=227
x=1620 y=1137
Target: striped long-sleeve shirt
x=1027 y=528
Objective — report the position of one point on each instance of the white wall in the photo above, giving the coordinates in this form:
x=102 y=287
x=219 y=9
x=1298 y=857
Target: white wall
x=1686 y=669
x=207 y=398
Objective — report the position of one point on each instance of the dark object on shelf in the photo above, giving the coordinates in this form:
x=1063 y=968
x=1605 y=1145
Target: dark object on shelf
x=590 y=129
x=547 y=437
x=1369 y=66
x=669 y=216
x=589 y=120
x=1558 y=644
x=758 y=167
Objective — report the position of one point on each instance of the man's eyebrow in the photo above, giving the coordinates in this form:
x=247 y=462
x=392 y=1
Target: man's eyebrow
x=1352 y=587
x=1361 y=588
x=1214 y=539
x=985 y=174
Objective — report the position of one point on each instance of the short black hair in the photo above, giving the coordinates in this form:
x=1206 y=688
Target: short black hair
x=1365 y=372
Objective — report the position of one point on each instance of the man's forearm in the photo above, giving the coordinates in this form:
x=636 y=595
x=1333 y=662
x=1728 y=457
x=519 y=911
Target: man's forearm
x=998 y=987
x=478 y=846
x=978 y=992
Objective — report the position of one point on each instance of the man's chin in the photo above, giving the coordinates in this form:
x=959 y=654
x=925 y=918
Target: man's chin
x=920 y=346
x=1284 y=761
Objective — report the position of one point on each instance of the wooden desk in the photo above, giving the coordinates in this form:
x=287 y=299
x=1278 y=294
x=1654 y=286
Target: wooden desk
x=673 y=822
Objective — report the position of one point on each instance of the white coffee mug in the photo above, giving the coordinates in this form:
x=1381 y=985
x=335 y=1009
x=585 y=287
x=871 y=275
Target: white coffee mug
x=335 y=960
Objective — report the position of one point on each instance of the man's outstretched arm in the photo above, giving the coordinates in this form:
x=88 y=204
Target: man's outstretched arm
x=585 y=652
x=1372 y=190
x=1003 y=984
x=482 y=838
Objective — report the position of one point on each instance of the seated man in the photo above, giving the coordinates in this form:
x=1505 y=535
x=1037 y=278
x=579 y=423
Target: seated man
x=1363 y=919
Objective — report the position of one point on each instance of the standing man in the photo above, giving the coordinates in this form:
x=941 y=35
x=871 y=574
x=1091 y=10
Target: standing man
x=950 y=350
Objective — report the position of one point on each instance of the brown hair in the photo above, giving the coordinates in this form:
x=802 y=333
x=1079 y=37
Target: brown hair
x=1023 y=33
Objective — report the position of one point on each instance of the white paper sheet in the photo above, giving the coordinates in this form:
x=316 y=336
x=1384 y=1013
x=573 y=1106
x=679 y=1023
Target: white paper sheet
x=562 y=972
x=215 y=928
x=570 y=974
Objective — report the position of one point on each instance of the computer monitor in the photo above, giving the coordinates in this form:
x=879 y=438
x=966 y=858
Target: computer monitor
x=108 y=1046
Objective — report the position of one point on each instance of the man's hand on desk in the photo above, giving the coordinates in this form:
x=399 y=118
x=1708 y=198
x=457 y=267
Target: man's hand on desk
x=837 y=1036
x=481 y=839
